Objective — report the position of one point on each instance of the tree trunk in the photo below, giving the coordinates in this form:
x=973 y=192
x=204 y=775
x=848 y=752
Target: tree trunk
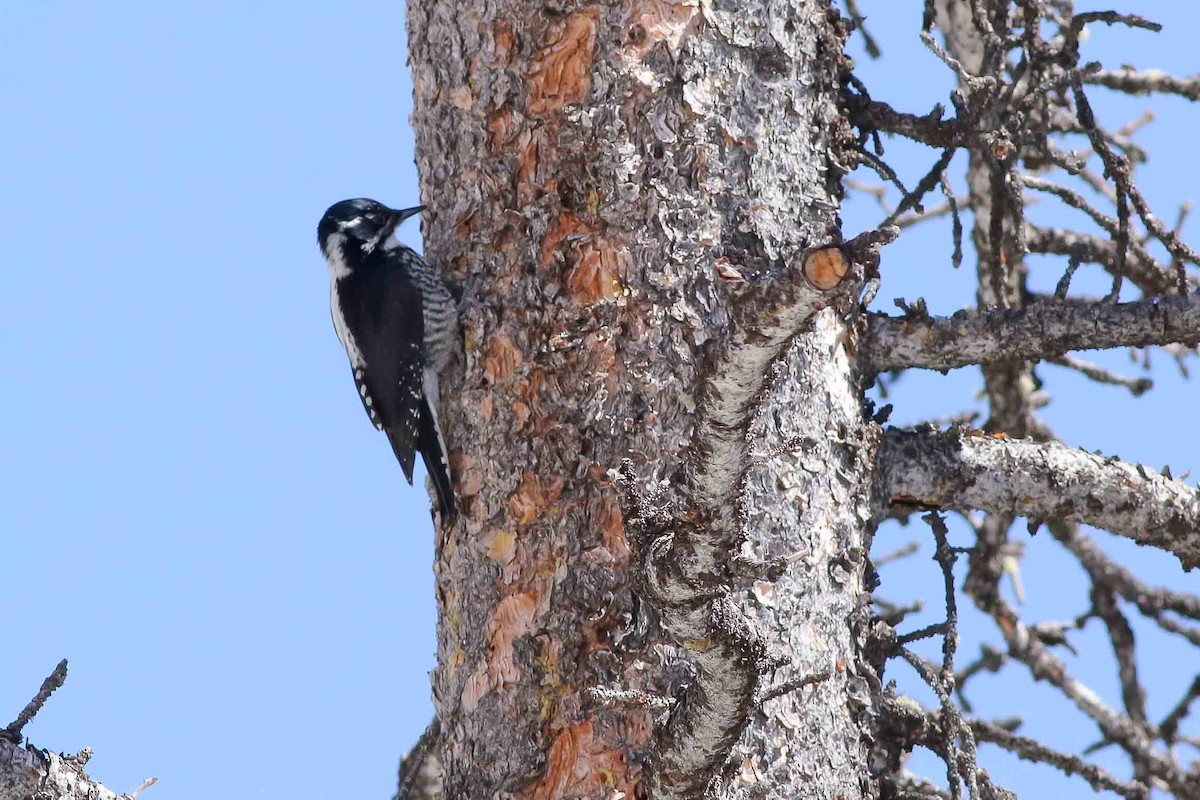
x=590 y=171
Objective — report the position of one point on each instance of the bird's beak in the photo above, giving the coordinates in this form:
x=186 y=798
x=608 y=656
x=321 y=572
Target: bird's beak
x=396 y=217
x=405 y=213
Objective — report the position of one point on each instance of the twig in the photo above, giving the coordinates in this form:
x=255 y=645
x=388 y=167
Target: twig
x=54 y=680
x=1133 y=81
x=1136 y=386
x=1169 y=727
x=1033 y=750
x=897 y=554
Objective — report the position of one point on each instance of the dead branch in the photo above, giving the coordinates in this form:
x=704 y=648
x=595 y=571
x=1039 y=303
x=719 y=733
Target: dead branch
x=963 y=469
x=1039 y=330
x=1133 y=81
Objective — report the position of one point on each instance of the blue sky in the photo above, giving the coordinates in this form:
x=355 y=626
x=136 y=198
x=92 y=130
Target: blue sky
x=196 y=511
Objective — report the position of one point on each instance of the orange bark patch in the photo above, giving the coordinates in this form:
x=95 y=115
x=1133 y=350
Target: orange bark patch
x=826 y=267
x=470 y=477
x=597 y=272
x=503 y=39
x=528 y=501
x=579 y=765
x=528 y=174
x=529 y=390
x=654 y=21
x=512 y=617
x=566 y=226
x=560 y=766
x=474 y=689
x=502 y=130
x=561 y=72
x=502 y=359
x=612 y=528
x=533 y=497
x=502 y=547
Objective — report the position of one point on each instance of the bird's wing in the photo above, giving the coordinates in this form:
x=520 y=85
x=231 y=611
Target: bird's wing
x=387 y=310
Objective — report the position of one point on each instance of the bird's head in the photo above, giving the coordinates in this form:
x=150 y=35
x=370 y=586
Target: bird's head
x=360 y=224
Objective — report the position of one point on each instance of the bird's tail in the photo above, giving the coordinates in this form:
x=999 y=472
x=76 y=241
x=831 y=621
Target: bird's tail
x=437 y=462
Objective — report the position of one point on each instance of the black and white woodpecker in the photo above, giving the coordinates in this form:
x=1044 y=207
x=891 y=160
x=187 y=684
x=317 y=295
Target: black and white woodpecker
x=397 y=320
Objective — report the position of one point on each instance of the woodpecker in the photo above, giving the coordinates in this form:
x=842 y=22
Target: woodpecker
x=397 y=320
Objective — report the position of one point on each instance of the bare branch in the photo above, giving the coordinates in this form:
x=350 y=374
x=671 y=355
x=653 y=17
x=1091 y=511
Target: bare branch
x=1149 y=600
x=1170 y=724
x=1120 y=634
x=1032 y=750
x=1136 y=386
x=970 y=470
x=1026 y=646
x=1133 y=81
x=895 y=555
x=1039 y=330
x=1150 y=276
x=54 y=680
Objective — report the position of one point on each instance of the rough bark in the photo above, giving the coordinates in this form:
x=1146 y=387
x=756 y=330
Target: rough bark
x=590 y=171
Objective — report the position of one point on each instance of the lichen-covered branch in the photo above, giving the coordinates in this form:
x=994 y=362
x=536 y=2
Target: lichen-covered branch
x=1033 y=332
x=968 y=470
x=707 y=720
